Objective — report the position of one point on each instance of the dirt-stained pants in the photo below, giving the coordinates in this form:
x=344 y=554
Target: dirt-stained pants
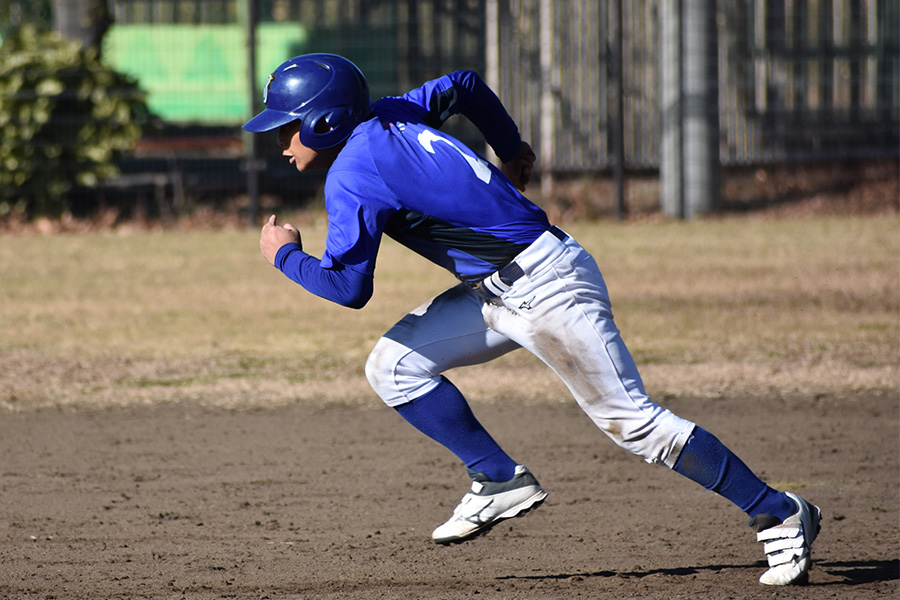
x=559 y=310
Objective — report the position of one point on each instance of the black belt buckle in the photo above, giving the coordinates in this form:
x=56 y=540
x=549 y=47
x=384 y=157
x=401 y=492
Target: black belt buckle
x=481 y=291
x=508 y=274
x=500 y=281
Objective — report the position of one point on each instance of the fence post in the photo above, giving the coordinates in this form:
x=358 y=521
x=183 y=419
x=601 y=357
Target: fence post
x=690 y=150
x=247 y=16
x=84 y=21
x=492 y=49
x=548 y=104
x=671 y=169
x=701 y=128
x=617 y=118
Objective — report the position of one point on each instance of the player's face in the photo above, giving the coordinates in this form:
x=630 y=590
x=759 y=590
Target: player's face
x=305 y=159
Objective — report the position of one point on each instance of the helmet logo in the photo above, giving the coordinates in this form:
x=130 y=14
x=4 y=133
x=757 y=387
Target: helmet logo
x=266 y=91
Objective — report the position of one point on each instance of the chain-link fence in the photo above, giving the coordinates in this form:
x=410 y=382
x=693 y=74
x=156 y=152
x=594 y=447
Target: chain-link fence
x=798 y=80
x=803 y=80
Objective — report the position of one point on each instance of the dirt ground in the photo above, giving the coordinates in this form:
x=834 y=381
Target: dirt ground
x=181 y=501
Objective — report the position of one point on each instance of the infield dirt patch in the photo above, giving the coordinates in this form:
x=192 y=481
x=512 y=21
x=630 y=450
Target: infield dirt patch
x=181 y=501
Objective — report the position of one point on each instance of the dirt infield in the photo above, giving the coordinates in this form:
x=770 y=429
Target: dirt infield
x=179 y=501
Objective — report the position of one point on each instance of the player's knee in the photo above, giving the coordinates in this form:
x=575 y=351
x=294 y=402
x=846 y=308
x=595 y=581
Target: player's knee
x=396 y=373
x=379 y=369
x=659 y=441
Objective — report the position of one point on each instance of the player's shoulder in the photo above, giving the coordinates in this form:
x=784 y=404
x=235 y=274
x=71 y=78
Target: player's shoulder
x=355 y=164
x=394 y=109
x=356 y=155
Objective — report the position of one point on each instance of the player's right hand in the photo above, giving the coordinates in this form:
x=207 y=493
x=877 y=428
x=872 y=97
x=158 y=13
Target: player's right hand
x=274 y=236
x=518 y=169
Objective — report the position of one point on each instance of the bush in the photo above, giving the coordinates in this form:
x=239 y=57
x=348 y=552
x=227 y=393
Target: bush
x=65 y=118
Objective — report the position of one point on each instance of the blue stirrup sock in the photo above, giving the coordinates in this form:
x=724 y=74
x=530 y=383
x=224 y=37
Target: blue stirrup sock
x=707 y=461
x=444 y=415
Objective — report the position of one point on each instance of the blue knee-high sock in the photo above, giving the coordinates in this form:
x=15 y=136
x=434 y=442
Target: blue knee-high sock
x=444 y=415
x=708 y=462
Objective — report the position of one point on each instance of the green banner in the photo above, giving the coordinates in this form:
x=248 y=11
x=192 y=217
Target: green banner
x=198 y=73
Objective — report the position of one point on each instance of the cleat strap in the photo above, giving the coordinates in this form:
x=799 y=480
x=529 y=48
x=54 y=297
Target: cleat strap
x=776 y=533
x=782 y=558
x=779 y=545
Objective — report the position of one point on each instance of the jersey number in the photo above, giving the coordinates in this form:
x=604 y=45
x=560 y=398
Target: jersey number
x=481 y=168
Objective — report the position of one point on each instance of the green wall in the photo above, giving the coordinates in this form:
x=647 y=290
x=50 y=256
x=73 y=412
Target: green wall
x=198 y=73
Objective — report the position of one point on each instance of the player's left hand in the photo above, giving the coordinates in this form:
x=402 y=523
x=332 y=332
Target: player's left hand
x=518 y=169
x=274 y=236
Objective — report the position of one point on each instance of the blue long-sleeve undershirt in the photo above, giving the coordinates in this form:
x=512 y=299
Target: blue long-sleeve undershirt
x=483 y=108
x=343 y=286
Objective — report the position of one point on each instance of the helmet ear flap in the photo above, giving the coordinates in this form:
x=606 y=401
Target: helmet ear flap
x=335 y=117
x=323 y=129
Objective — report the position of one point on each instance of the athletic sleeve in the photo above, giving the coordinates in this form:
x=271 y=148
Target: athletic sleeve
x=465 y=93
x=358 y=205
x=344 y=286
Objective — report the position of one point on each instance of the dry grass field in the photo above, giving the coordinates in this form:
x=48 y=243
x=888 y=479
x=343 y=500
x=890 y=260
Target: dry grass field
x=713 y=308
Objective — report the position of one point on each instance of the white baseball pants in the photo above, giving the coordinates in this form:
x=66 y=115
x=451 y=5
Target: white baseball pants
x=559 y=310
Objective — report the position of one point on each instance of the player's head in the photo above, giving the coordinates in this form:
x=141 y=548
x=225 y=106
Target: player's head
x=327 y=93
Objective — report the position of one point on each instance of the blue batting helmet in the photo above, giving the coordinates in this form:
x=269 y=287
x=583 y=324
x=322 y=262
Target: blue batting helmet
x=312 y=88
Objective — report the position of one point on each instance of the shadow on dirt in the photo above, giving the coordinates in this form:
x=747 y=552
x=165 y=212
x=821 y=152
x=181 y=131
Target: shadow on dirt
x=858 y=572
x=676 y=572
x=853 y=572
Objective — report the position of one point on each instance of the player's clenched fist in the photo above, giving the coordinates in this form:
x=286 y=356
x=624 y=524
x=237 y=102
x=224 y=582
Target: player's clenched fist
x=275 y=236
x=518 y=169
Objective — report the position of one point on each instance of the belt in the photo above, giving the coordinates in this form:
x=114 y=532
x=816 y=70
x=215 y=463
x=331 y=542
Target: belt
x=500 y=281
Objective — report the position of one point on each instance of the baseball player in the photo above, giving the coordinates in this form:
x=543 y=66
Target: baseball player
x=524 y=283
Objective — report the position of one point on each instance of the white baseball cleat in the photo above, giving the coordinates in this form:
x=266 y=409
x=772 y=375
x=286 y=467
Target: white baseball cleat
x=488 y=503
x=787 y=544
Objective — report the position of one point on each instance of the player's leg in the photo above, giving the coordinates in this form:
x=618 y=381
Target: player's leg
x=561 y=312
x=444 y=415
x=710 y=463
x=405 y=370
x=787 y=523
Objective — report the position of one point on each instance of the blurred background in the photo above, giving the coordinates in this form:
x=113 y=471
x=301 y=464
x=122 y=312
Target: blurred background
x=133 y=108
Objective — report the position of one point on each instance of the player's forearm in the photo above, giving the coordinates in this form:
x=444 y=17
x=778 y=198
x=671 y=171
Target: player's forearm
x=342 y=286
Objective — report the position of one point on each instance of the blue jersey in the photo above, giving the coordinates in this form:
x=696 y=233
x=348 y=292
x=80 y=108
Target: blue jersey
x=399 y=175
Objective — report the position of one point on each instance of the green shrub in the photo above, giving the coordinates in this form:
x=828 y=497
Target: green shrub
x=65 y=118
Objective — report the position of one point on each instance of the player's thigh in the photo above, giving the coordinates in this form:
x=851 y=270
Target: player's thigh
x=562 y=314
x=446 y=332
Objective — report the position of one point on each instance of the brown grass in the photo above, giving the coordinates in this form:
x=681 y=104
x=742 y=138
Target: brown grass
x=711 y=308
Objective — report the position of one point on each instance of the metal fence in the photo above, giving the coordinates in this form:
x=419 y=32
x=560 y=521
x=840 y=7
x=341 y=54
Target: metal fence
x=798 y=80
